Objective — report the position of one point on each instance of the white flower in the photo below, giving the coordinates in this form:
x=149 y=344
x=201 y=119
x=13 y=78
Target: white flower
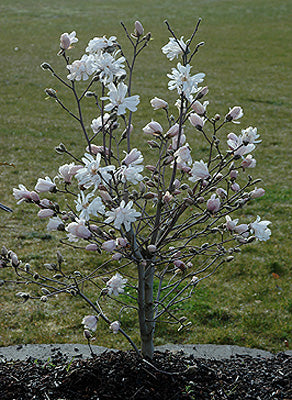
x=81 y=69
x=92 y=174
x=196 y=121
x=250 y=135
x=100 y=43
x=45 y=185
x=174 y=48
x=181 y=80
x=116 y=285
x=249 y=162
x=260 y=229
x=157 y=103
x=108 y=67
x=117 y=98
x=67 y=39
x=183 y=155
x=96 y=124
x=199 y=171
x=256 y=193
x=130 y=173
x=115 y=326
x=95 y=207
x=90 y=322
x=213 y=204
x=123 y=215
x=55 y=224
x=182 y=140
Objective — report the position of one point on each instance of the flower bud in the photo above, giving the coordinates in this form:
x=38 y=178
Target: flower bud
x=196 y=121
x=180 y=265
x=91 y=247
x=117 y=256
x=139 y=30
x=256 y=193
x=235 y=113
x=45 y=66
x=233 y=174
x=198 y=108
x=51 y=93
x=151 y=248
x=115 y=326
x=157 y=103
x=235 y=187
x=202 y=93
x=87 y=334
x=109 y=245
x=34 y=197
x=46 y=213
x=213 y=204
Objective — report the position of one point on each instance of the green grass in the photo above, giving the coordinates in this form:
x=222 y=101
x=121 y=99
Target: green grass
x=247 y=61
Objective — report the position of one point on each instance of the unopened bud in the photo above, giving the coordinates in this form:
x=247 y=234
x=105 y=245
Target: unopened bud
x=151 y=248
x=44 y=299
x=45 y=66
x=51 y=93
x=202 y=93
x=139 y=30
x=229 y=258
x=89 y=94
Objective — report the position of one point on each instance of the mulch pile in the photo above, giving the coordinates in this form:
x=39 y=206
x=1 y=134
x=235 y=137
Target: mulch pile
x=121 y=375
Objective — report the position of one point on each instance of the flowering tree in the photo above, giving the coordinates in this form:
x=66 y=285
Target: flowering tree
x=139 y=215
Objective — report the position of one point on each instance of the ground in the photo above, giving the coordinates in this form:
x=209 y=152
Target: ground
x=121 y=375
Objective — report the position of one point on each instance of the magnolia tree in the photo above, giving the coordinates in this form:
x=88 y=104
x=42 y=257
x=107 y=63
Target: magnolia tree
x=161 y=227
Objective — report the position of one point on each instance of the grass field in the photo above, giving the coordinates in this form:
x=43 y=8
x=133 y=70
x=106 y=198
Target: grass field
x=247 y=61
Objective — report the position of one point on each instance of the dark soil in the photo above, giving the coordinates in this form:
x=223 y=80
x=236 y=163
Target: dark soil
x=121 y=375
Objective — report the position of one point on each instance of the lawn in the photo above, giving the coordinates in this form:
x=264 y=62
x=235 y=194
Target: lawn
x=247 y=62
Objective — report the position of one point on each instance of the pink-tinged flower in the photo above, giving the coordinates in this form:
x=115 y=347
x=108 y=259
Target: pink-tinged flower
x=45 y=185
x=167 y=197
x=21 y=194
x=117 y=256
x=256 y=193
x=100 y=43
x=183 y=155
x=153 y=128
x=34 y=196
x=249 y=162
x=233 y=174
x=235 y=187
x=67 y=171
x=250 y=135
x=173 y=131
x=109 y=245
x=121 y=242
x=196 y=121
x=200 y=108
x=115 y=326
x=260 y=229
x=236 y=144
x=79 y=230
x=123 y=215
x=230 y=224
x=180 y=264
x=134 y=157
x=86 y=208
x=157 y=103
x=91 y=247
x=96 y=124
x=46 y=213
x=139 y=28
x=174 y=141
x=116 y=285
x=55 y=224
x=199 y=171
x=90 y=322
x=98 y=149
x=242 y=230
x=234 y=114
x=221 y=193
x=181 y=80
x=213 y=204
x=105 y=195
x=46 y=203
x=81 y=69
x=66 y=40
x=118 y=99
x=174 y=48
